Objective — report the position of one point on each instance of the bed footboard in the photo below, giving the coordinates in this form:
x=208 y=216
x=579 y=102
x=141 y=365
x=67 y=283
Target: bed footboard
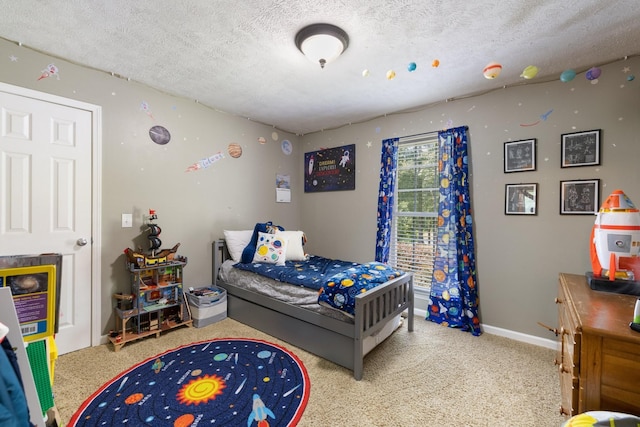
x=378 y=306
x=339 y=342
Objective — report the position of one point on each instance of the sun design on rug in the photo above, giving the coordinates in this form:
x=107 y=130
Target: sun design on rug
x=201 y=390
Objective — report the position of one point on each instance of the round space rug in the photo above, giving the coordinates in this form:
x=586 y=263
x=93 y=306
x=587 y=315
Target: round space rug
x=222 y=382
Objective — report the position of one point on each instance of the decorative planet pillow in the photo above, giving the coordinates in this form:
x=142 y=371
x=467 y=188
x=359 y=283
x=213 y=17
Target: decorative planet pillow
x=250 y=249
x=295 y=240
x=270 y=249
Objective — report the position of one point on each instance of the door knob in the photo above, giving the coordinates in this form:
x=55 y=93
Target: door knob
x=81 y=241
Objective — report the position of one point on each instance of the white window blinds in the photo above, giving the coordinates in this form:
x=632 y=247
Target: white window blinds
x=415 y=218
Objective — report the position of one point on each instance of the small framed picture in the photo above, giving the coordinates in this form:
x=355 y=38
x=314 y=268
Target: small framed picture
x=520 y=156
x=580 y=148
x=579 y=197
x=521 y=199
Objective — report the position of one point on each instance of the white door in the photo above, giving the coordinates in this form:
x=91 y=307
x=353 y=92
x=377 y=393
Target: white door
x=46 y=198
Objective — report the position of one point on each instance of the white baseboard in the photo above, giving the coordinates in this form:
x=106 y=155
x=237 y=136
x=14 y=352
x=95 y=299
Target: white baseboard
x=517 y=336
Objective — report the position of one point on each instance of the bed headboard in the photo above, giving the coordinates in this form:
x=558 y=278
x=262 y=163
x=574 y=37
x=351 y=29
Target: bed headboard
x=219 y=255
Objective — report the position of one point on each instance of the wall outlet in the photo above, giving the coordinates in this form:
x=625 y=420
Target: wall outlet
x=127 y=220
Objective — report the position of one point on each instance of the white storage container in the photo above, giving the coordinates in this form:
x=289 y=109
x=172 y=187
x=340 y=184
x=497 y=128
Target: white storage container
x=205 y=296
x=208 y=307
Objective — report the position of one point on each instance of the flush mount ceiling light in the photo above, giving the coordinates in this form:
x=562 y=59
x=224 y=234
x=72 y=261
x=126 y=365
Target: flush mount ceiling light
x=322 y=43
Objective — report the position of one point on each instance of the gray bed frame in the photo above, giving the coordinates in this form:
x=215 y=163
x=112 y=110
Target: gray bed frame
x=338 y=341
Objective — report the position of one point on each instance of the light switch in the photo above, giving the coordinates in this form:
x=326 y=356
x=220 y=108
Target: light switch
x=127 y=220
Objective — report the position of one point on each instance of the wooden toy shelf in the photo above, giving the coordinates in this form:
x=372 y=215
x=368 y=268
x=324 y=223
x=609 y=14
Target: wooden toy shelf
x=156 y=303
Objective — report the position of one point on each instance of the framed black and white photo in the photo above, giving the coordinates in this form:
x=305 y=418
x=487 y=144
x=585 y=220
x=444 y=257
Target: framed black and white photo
x=579 y=197
x=580 y=148
x=521 y=199
x=520 y=156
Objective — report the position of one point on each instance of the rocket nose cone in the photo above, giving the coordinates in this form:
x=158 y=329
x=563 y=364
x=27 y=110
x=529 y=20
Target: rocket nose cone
x=618 y=201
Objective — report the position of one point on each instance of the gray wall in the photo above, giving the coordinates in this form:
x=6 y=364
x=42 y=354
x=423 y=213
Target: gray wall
x=193 y=208
x=519 y=258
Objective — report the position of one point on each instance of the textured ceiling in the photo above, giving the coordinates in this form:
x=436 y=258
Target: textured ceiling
x=239 y=56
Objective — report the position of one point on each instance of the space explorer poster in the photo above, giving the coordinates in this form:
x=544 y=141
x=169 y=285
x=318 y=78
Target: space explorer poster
x=331 y=169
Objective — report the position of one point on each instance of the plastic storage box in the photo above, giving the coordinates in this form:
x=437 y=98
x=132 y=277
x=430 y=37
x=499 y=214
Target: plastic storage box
x=208 y=305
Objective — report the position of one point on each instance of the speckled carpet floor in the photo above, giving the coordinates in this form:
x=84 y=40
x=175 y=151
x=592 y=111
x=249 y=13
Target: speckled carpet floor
x=435 y=376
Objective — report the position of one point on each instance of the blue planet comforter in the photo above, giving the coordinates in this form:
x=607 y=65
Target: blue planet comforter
x=337 y=282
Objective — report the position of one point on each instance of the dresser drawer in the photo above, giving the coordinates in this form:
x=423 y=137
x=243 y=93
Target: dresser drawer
x=569 y=394
x=570 y=344
x=620 y=377
x=569 y=336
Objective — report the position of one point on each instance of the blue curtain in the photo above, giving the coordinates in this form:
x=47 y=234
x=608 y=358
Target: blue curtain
x=388 y=165
x=454 y=294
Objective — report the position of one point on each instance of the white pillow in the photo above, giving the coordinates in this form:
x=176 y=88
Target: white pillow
x=270 y=249
x=295 y=250
x=236 y=242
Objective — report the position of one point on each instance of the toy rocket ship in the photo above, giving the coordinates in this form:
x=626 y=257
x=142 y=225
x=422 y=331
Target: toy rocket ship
x=615 y=239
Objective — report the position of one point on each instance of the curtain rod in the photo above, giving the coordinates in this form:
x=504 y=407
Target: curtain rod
x=427 y=133
x=419 y=134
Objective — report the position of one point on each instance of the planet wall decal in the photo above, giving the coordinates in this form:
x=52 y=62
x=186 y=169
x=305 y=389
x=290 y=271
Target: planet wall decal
x=492 y=70
x=160 y=135
x=593 y=73
x=567 y=75
x=529 y=72
x=235 y=150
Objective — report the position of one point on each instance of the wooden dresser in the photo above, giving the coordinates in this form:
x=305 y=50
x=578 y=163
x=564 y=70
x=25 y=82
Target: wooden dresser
x=599 y=355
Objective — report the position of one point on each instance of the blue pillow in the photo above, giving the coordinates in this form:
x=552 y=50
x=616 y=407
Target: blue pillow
x=261 y=227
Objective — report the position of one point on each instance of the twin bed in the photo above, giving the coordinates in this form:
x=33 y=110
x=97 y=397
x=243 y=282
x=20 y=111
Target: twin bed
x=292 y=313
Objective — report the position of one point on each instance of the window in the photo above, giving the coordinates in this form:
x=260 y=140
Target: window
x=415 y=217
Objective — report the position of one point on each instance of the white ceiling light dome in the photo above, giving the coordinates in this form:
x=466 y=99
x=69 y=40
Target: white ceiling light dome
x=322 y=43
